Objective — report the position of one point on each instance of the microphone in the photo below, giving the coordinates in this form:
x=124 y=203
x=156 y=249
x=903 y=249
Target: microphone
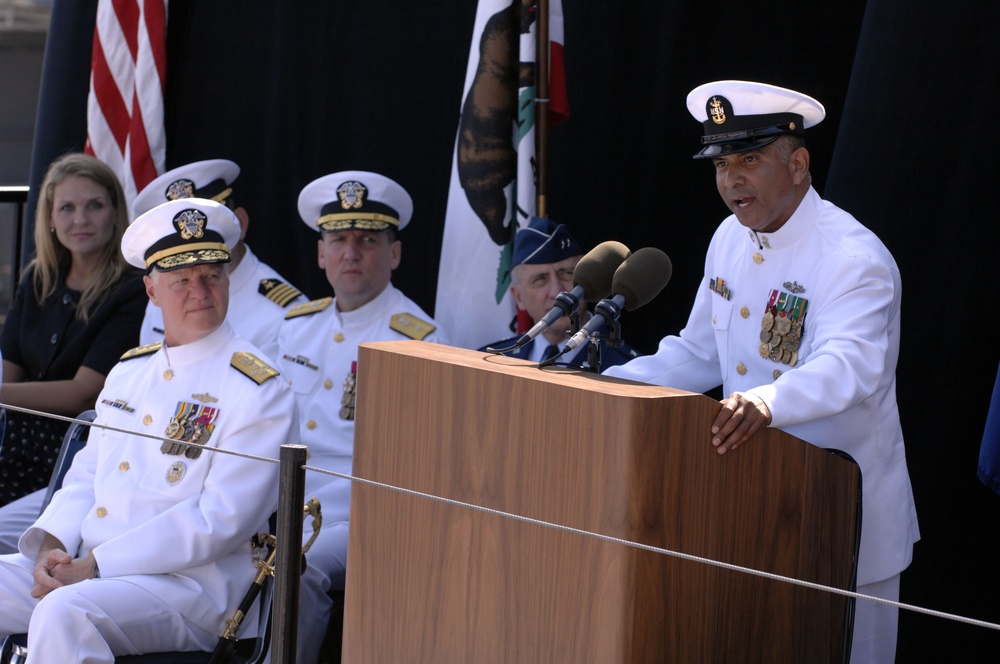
x=592 y=277
x=637 y=280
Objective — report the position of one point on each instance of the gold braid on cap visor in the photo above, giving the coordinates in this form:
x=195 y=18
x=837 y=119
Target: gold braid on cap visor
x=223 y=195
x=185 y=253
x=366 y=221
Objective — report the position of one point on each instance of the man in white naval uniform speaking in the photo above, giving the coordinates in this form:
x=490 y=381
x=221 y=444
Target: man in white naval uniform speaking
x=798 y=319
x=146 y=548
x=358 y=215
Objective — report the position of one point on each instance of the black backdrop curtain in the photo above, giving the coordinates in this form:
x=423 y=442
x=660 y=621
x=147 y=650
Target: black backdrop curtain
x=292 y=91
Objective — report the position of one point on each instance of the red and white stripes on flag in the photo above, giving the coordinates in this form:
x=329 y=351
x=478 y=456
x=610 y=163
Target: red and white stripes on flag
x=125 y=104
x=492 y=189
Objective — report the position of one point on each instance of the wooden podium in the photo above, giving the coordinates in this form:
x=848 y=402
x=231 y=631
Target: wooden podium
x=430 y=581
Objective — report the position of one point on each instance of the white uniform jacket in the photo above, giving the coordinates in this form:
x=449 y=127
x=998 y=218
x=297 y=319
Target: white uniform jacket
x=259 y=298
x=176 y=526
x=841 y=391
x=317 y=348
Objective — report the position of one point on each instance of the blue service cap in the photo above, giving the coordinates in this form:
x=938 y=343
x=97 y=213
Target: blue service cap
x=544 y=241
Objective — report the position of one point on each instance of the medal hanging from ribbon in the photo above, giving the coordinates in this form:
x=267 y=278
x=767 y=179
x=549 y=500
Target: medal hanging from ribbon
x=350 y=393
x=191 y=423
x=781 y=327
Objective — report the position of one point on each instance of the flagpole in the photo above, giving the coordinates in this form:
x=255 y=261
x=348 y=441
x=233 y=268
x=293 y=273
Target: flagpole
x=542 y=107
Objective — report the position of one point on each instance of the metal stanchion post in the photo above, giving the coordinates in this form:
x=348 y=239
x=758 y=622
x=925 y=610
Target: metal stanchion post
x=288 y=562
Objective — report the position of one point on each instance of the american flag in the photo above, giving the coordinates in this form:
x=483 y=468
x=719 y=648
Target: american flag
x=125 y=104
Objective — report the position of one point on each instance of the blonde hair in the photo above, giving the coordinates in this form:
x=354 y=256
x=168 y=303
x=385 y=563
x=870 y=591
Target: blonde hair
x=51 y=255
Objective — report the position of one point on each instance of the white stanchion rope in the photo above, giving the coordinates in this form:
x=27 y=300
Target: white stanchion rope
x=546 y=524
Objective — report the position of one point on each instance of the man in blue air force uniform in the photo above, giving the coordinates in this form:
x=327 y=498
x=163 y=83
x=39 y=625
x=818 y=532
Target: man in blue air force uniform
x=358 y=215
x=146 y=548
x=545 y=256
x=798 y=319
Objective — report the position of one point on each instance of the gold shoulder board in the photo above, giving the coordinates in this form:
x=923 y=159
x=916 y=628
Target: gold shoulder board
x=148 y=349
x=411 y=326
x=309 y=308
x=252 y=367
x=278 y=291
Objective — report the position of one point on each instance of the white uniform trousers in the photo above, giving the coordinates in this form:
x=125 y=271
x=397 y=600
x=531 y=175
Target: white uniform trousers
x=875 y=624
x=16 y=517
x=92 y=621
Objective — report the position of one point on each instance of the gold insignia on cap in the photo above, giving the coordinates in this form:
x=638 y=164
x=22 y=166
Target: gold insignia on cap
x=200 y=252
x=179 y=189
x=716 y=111
x=411 y=326
x=306 y=308
x=252 y=367
x=148 y=349
x=191 y=223
x=352 y=194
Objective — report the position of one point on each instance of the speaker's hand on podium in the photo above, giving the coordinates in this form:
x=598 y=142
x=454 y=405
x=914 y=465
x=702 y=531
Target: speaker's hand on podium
x=741 y=416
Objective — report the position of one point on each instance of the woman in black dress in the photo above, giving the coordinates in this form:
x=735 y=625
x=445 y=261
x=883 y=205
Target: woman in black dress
x=77 y=309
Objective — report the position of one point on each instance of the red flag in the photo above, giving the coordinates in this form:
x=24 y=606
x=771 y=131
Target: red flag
x=125 y=104
x=558 y=99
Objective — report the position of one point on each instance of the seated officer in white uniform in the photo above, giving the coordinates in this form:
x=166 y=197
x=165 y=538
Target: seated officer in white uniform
x=146 y=548
x=798 y=319
x=545 y=257
x=358 y=215
x=259 y=297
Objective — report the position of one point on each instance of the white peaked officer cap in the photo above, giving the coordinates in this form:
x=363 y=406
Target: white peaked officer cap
x=181 y=233
x=211 y=179
x=739 y=116
x=358 y=200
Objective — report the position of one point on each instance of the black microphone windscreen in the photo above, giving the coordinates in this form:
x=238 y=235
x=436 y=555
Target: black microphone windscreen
x=596 y=270
x=642 y=276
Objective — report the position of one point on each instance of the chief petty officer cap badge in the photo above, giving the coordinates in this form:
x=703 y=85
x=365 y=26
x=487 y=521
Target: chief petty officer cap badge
x=355 y=200
x=181 y=233
x=739 y=116
x=211 y=179
x=544 y=241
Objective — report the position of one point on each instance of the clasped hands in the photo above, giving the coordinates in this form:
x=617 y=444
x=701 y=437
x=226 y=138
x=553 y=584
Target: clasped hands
x=55 y=568
x=741 y=416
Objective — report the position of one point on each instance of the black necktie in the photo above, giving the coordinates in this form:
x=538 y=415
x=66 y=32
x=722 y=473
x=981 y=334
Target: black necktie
x=550 y=352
